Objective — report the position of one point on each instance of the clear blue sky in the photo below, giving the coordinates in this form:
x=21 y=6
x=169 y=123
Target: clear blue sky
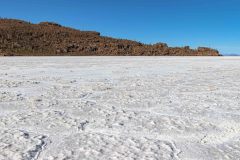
x=213 y=23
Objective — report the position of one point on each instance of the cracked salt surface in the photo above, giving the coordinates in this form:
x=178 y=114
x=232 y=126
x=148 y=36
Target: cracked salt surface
x=119 y=108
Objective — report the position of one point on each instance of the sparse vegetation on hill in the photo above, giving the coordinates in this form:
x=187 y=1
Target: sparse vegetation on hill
x=20 y=38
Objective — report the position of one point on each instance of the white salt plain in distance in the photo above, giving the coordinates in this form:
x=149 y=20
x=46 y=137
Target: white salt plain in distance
x=119 y=108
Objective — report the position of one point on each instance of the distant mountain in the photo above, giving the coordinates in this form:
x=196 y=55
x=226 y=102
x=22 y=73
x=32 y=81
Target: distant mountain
x=231 y=54
x=20 y=38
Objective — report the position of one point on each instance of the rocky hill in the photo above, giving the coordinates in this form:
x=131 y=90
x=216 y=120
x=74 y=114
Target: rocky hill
x=20 y=38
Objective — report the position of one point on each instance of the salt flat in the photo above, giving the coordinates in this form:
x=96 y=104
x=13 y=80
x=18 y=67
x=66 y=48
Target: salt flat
x=119 y=108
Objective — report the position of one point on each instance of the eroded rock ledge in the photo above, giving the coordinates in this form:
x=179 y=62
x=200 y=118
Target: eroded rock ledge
x=20 y=38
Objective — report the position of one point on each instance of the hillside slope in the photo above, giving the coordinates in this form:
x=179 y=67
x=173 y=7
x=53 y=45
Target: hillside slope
x=20 y=38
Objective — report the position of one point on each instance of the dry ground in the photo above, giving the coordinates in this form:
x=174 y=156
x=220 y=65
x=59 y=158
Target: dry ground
x=119 y=108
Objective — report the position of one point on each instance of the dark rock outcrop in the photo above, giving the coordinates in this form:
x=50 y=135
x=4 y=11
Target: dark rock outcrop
x=20 y=38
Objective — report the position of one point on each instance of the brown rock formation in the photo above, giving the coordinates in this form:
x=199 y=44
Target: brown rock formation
x=20 y=38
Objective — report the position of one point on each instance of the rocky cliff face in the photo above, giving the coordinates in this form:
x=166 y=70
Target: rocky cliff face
x=20 y=38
